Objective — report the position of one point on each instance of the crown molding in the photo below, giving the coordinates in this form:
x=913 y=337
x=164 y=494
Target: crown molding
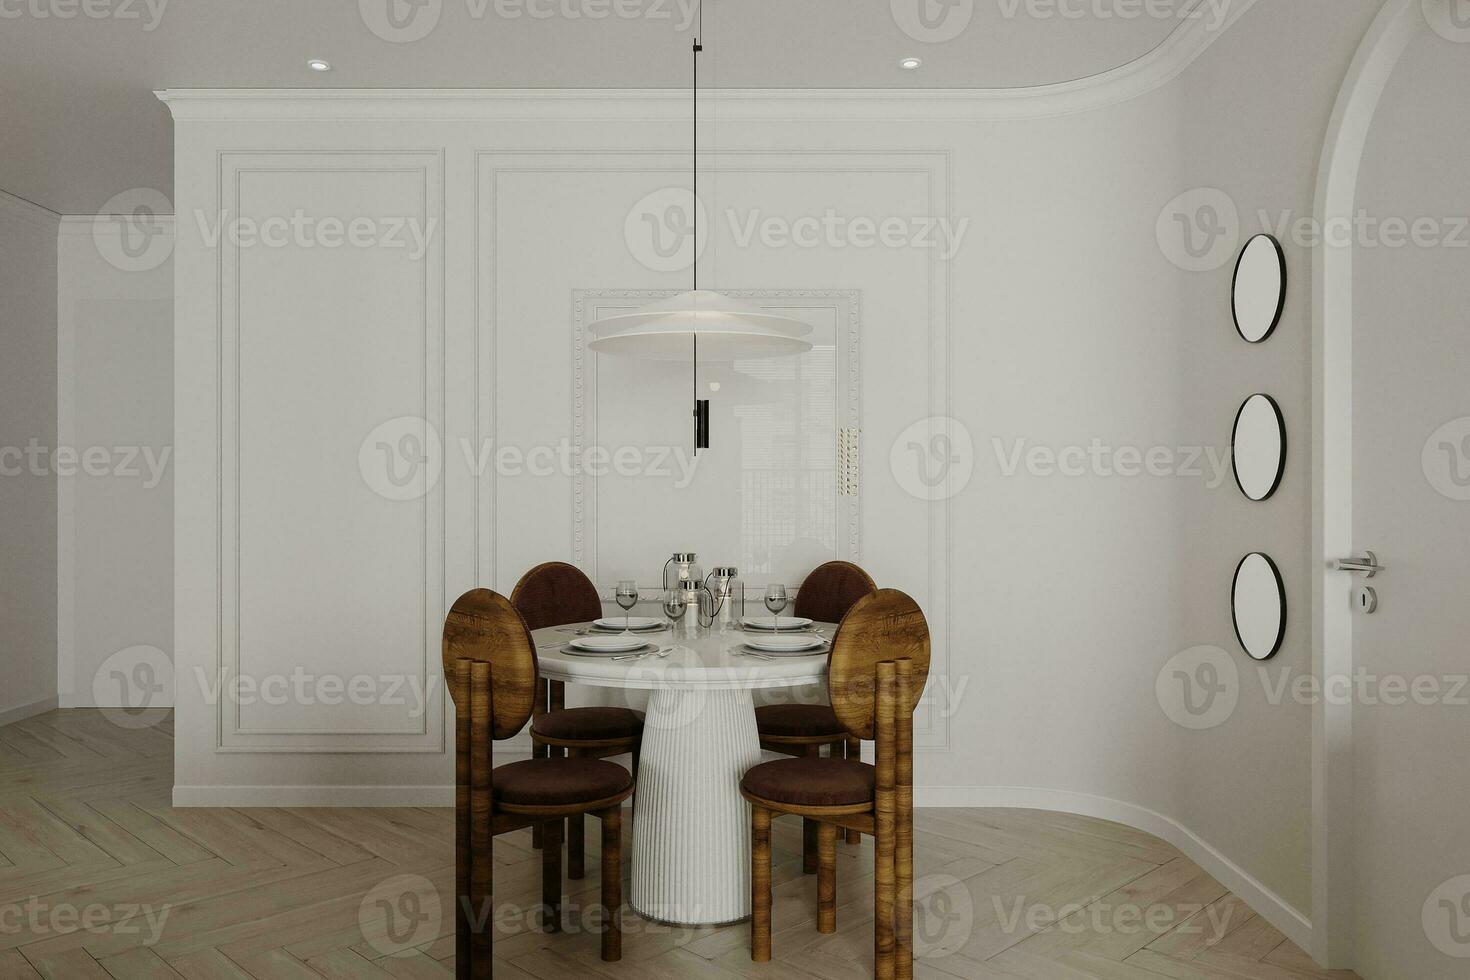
x=1164 y=63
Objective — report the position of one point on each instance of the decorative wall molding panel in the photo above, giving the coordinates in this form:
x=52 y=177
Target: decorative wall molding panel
x=315 y=346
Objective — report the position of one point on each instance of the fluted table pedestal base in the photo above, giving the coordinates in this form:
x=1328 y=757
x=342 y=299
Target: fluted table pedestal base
x=691 y=828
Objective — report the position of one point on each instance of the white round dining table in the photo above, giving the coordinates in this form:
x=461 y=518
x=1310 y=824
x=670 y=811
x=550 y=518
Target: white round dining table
x=691 y=827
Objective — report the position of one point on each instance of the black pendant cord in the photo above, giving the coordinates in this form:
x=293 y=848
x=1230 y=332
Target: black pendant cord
x=701 y=408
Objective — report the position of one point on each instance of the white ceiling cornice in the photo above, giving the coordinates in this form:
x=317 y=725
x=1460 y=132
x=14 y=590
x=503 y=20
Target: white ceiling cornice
x=1154 y=70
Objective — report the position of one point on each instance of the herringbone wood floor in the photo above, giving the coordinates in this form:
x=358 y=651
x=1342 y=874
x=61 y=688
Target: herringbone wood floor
x=90 y=849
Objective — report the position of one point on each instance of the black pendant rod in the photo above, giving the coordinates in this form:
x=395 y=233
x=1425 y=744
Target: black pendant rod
x=701 y=406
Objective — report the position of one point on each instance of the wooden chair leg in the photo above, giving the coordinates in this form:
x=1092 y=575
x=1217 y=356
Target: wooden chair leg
x=551 y=874
x=576 y=838
x=809 y=828
x=827 y=878
x=460 y=681
x=884 y=827
x=760 y=885
x=576 y=847
x=538 y=751
x=612 y=883
x=903 y=859
x=482 y=861
x=854 y=750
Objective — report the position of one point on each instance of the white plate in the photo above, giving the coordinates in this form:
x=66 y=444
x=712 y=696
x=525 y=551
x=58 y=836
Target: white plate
x=646 y=648
x=763 y=648
x=781 y=643
x=634 y=623
x=610 y=643
x=769 y=623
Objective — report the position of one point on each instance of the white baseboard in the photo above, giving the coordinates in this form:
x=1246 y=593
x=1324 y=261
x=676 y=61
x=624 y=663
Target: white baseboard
x=23 y=711
x=247 y=796
x=1266 y=903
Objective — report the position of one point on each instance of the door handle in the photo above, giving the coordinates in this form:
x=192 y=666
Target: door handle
x=1367 y=565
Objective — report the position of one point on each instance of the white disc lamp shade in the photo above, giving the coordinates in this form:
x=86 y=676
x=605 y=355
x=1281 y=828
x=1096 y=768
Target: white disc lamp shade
x=726 y=328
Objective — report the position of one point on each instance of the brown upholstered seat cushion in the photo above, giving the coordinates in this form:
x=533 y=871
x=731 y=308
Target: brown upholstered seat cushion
x=588 y=724
x=558 y=782
x=799 y=721
x=812 y=782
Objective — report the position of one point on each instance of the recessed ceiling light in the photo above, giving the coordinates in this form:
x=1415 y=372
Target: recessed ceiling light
x=317 y=64
x=909 y=64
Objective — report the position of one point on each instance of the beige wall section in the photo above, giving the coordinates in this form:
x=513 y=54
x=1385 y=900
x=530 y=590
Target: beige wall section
x=115 y=358
x=27 y=492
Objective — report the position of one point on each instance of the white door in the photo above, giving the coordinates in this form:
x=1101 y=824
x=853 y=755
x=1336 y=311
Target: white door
x=1411 y=505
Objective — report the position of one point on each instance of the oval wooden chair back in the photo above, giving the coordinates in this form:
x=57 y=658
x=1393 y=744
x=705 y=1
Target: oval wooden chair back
x=885 y=625
x=831 y=590
x=554 y=594
x=484 y=628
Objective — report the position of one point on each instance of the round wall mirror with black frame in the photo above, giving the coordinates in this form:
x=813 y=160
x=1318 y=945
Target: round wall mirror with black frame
x=1258 y=290
x=1258 y=447
x=1258 y=606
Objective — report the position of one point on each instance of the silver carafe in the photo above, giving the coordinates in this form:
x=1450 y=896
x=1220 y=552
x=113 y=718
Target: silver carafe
x=682 y=572
x=725 y=596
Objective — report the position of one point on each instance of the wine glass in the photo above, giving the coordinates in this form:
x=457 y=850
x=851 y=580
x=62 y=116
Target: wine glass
x=775 y=602
x=627 y=597
x=674 y=605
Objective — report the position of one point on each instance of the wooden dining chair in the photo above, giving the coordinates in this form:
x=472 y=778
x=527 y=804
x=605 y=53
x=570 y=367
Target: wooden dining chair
x=876 y=674
x=555 y=594
x=803 y=729
x=490 y=666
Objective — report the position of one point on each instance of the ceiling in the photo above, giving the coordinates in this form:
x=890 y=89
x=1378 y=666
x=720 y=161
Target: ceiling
x=79 y=123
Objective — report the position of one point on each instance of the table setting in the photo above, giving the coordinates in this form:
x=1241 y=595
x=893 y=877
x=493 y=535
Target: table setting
x=699 y=664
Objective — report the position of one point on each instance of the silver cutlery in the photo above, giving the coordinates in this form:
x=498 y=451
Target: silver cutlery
x=751 y=653
x=661 y=654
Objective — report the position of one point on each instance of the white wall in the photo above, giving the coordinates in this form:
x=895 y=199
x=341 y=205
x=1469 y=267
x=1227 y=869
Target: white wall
x=115 y=548
x=27 y=489
x=1055 y=600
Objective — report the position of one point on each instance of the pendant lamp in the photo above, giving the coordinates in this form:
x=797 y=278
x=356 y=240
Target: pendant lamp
x=678 y=327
